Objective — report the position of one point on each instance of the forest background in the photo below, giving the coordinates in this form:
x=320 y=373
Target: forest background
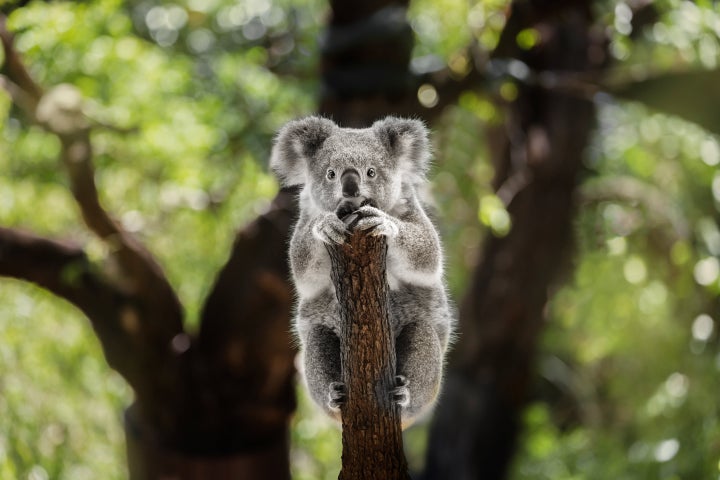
x=184 y=99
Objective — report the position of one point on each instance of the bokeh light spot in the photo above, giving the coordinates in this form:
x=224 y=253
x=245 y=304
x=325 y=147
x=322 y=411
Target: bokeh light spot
x=702 y=327
x=706 y=271
x=427 y=96
x=666 y=450
x=634 y=270
x=710 y=152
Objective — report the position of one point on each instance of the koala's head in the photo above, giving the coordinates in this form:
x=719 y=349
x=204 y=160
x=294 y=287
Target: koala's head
x=338 y=165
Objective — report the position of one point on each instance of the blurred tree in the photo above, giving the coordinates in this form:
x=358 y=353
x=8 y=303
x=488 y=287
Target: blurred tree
x=149 y=106
x=537 y=166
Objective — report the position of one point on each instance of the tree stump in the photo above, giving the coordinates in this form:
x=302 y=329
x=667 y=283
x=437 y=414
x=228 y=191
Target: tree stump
x=371 y=431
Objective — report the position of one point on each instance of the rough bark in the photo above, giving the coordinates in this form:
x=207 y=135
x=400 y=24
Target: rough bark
x=372 y=435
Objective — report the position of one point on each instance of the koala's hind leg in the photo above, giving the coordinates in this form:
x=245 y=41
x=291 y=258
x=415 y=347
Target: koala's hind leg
x=321 y=351
x=419 y=366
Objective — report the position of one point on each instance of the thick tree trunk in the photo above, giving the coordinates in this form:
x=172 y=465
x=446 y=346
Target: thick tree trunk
x=372 y=435
x=150 y=460
x=227 y=412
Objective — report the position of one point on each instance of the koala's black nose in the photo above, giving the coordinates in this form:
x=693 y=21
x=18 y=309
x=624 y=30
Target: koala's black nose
x=350 y=183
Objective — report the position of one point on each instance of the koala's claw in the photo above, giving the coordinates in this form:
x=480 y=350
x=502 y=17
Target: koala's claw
x=350 y=220
x=377 y=221
x=349 y=213
x=401 y=392
x=330 y=229
x=336 y=395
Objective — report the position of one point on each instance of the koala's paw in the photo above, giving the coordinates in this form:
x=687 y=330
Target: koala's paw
x=379 y=222
x=330 y=229
x=336 y=396
x=401 y=393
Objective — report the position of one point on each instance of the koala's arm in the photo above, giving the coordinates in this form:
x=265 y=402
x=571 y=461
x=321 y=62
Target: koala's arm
x=309 y=260
x=415 y=255
x=414 y=251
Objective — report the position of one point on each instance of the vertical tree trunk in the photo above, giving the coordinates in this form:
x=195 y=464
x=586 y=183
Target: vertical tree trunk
x=477 y=423
x=366 y=52
x=372 y=435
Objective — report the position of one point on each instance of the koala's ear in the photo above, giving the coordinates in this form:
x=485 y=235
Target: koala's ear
x=295 y=144
x=406 y=140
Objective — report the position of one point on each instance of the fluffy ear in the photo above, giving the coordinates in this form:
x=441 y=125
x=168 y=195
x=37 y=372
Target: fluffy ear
x=406 y=140
x=295 y=143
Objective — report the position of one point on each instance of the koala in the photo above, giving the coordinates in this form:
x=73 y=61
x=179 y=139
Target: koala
x=372 y=175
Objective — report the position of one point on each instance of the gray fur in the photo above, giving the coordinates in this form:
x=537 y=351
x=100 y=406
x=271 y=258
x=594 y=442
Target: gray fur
x=398 y=151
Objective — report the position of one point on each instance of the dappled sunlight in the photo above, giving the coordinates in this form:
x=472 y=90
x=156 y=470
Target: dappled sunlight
x=61 y=406
x=183 y=99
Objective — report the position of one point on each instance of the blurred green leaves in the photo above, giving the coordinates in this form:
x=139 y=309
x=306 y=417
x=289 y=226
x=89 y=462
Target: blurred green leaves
x=634 y=329
x=694 y=96
x=181 y=140
x=185 y=97
x=61 y=407
x=492 y=213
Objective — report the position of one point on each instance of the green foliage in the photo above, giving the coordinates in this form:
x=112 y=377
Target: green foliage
x=195 y=160
x=631 y=352
x=194 y=91
x=61 y=407
x=685 y=35
x=630 y=363
x=316 y=441
x=183 y=166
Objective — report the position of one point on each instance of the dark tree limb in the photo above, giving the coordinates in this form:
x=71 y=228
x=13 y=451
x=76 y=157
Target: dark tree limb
x=60 y=112
x=139 y=272
x=58 y=267
x=14 y=67
x=64 y=270
x=232 y=396
x=128 y=300
x=372 y=434
x=537 y=161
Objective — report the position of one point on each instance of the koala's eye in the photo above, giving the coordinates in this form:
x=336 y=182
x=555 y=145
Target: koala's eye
x=371 y=172
x=330 y=174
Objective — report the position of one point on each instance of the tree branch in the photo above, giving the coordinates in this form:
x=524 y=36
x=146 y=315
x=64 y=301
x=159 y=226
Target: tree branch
x=60 y=268
x=372 y=435
x=60 y=111
x=64 y=270
x=253 y=279
x=130 y=304
x=14 y=67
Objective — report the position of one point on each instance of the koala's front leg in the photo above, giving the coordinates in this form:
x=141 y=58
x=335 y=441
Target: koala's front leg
x=328 y=228
x=309 y=259
x=377 y=221
x=414 y=254
x=321 y=361
x=419 y=370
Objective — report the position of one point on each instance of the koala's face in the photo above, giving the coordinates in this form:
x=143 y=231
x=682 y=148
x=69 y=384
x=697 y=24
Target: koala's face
x=353 y=166
x=338 y=165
